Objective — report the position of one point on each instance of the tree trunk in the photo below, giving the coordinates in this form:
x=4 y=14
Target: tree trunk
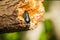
x=8 y=16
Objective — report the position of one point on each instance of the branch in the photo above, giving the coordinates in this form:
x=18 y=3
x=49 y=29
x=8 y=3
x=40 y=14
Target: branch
x=8 y=16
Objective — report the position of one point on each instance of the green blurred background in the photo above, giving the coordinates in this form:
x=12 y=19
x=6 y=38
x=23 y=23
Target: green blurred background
x=50 y=26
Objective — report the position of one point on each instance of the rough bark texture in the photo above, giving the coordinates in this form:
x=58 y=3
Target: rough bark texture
x=8 y=16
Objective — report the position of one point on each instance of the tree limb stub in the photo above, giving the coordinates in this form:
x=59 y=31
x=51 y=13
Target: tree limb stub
x=20 y=15
x=8 y=16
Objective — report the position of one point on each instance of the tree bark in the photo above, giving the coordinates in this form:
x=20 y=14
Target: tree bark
x=8 y=16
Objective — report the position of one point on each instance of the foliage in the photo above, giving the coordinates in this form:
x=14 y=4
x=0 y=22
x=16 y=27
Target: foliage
x=46 y=5
x=48 y=33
